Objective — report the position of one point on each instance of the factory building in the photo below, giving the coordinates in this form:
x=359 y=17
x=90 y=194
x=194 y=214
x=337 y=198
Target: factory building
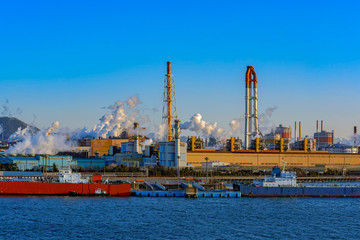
x=168 y=152
x=233 y=144
x=135 y=154
x=271 y=140
x=38 y=161
x=173 y=153
x=195 y=143
x=258 y=161
x=130 y=155
x=30 y=163
x=87 y=163
x=100 y=147
x=323 y=138
x=150 y=156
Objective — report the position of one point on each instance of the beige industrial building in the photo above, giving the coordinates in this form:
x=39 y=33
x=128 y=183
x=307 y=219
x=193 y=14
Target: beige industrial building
x=268 y=160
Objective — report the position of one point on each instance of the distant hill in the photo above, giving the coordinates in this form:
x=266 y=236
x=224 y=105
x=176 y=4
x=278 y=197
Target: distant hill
x=9 y=126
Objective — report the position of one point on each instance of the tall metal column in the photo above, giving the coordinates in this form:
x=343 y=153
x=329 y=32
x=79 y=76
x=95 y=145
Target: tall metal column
x=251 y=115
x=169 y=101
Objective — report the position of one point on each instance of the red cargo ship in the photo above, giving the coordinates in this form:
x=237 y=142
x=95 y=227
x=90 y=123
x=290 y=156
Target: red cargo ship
x=68 y=183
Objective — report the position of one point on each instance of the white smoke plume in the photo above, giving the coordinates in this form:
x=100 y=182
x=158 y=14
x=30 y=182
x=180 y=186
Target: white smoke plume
x=45 y=141
x=1 y=129
x=133 y=101
x=148 y=142
x=161 y=132
x=112 y=124
x=201 y=127
x=236 y=123
x=348 y=140
x=20 y=134
x=158 y=132
x=265 y=123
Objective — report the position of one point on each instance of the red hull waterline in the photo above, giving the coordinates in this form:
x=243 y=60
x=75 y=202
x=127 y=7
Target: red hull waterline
x=45 y=188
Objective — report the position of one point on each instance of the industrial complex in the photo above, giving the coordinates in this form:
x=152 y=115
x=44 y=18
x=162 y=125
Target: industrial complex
x=255 y=151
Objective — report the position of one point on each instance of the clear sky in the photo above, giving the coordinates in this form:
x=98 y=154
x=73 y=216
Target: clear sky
x=65 y=60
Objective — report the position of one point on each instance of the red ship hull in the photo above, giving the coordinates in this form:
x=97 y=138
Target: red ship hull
x=46 y=188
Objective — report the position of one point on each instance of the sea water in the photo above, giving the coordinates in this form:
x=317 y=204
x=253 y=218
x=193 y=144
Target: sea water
x=179 y=218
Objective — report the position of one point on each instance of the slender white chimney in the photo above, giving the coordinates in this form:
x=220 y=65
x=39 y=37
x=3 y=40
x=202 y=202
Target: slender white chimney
x=136 y=138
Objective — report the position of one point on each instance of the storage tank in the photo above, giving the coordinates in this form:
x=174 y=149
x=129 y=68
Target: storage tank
x=323 y=139
x=284 y=132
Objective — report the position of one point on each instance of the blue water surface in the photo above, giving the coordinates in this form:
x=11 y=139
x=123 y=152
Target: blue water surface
x=179 y=218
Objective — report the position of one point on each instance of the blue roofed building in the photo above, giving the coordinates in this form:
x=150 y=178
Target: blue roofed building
x=25 y=163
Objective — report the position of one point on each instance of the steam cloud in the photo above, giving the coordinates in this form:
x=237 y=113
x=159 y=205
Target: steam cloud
x=205 y=129
x=265 y=123
x=236 y=123
x=45 y=141
x=348 y=140
x=112 y=124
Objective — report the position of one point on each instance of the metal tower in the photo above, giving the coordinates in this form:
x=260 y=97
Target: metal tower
x=169 y=101
x=251 y=114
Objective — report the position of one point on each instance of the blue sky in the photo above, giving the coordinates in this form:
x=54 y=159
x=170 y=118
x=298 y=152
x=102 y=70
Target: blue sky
x=65 y=60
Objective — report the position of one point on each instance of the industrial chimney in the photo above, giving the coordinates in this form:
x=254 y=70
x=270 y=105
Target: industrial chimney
x=169 y=101
x=136 y=138
x=251 y=116
x=322 y=125
x=355 y=136
x=177 y=143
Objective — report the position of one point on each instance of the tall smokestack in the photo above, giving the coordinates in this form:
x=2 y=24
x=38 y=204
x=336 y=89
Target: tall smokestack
x=322 y=125
x=169 y=98
x=169 y=107
x=355 y=136
x=299 y=130
x=250 y=106
x=317 y=126
x=177 y=142
x=136 y=138
x=295 y=132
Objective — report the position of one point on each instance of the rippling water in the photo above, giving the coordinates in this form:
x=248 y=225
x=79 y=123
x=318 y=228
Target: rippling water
x=178 y=218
